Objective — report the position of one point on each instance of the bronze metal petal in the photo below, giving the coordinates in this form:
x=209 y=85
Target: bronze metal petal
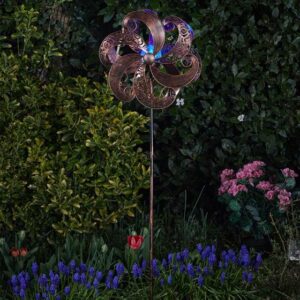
x=143 y=89
x=107 y=51
x=184 y=40
x=124 y=65
x=153 y=23
x=134 y=41
x=178 y=81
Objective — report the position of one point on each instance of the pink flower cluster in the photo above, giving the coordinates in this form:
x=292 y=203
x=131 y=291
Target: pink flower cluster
x=289 y=173
x=251 y=171
x=229 y=184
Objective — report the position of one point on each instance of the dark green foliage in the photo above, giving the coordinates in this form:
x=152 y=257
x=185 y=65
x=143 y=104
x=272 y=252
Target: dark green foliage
x=70 y=157
x=250 y=52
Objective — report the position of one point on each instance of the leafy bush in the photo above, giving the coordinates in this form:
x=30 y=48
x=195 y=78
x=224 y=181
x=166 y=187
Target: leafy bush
x=70 y=157
x=255 y=197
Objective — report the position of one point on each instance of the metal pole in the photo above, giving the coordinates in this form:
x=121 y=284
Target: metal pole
x=151 y=204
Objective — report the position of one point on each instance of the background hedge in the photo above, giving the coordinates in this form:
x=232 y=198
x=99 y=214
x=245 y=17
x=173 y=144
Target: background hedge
x=250 y=52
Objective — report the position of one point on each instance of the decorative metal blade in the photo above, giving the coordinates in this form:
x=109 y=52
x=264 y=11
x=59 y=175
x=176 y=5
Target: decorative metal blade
x=143 y=89
x=123 y=66
x=177 y=81
x=153 y=23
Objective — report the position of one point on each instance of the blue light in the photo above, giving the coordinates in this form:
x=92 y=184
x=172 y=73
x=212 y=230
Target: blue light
x=142 y=52
x=158 y=54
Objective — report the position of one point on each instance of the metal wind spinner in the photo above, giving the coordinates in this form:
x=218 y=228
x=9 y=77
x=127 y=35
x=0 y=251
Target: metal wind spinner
x=154 y=62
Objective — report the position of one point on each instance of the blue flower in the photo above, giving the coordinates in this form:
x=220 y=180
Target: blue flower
x=244 y=276
x=185 y=254
x=178 y=256
x=155 y=268
x=144 y=264
x=83 y=278
x=22 y=293
x=34 y=268
x=42 y=280
x=136 y=270
x=182 y=268
x=250 y=277
x=52 y=289
x=91 y=271
x=205 y=253
x=162 y=282
x=110 y=274
x=83 y=267
x=72 y=264
x=37 y=296
x=57 y=297
x=95 y=283
x=190 y=270
x=76 y=277
x=164 y=264
x=119 y=269
x=115 y=282
x=88 y=285
x=67 y=290
x=170 y=258
x=199 y=248
x=99 y=275
x=61 y=266
x=170 y=279
x=222 y=277
x=205 y=271
x=212 y=259
x=200 y=280
x=108 y=282
x=14 y=280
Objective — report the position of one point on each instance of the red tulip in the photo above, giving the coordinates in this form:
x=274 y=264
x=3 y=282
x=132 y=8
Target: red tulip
x=135 y=241
x=23 y=251
x=14 y=252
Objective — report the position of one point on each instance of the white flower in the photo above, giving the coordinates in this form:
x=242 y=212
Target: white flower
x=241 y=118
x=180 y=102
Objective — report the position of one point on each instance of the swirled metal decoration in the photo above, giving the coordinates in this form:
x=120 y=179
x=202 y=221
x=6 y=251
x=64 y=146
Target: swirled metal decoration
x=154 y=62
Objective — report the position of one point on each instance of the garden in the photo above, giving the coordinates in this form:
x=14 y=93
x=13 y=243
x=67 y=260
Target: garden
x=76 y=169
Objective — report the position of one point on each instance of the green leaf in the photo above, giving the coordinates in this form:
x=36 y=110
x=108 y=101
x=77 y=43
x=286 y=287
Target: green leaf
x=290 y=183
x=234 y=205
x=253 y=211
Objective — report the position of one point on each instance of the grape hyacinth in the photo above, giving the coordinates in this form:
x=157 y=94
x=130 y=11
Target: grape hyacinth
x=199 y=267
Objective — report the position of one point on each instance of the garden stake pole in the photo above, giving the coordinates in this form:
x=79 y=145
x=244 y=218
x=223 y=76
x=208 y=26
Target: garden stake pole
x=151 y=216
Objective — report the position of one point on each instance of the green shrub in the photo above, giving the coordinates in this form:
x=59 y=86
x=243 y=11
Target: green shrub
x=70 y=156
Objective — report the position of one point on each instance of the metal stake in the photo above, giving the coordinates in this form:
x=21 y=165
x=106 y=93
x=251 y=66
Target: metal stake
x=151 y=217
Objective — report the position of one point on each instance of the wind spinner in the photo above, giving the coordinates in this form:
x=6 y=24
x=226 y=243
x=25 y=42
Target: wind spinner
x=153 y=72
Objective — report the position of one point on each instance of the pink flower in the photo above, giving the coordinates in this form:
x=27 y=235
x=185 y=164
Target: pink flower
x=226 y=174
x=258 y=163
x=264 y=185
x=226 y=185
x=289 y=173
x=251 y=170
x=270 y=195
x=284 y=198
x=236 y=188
